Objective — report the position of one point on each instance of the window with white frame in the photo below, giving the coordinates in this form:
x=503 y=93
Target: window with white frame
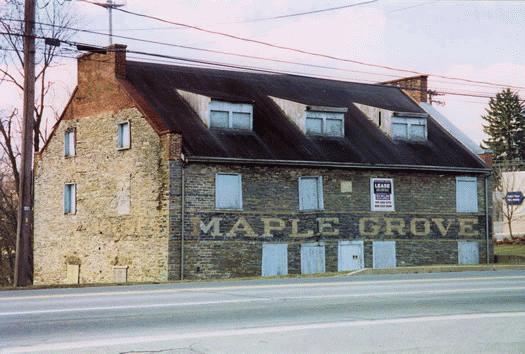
x=123 y=136
x=324 y=123
x=409 y=128
x=69 y=142
x=311 y=193
x=70 y=198
x=228 y=191
x=466 y=194
x=229 y=115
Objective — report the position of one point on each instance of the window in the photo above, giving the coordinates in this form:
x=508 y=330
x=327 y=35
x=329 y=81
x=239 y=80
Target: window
x=70 y=198
x=324 y=123
x=311 y=193
x=466 y=194
x=409 y=128
x=123 y=136
x=69 y=143
x=228 y=191
x=228 y=115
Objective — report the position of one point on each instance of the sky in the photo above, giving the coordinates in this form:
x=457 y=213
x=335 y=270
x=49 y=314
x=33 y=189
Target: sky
x=477 y=40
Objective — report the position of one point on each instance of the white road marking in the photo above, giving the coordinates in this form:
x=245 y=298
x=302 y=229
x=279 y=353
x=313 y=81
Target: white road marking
x=256 y=287
x=96 y=343
x=266 y=299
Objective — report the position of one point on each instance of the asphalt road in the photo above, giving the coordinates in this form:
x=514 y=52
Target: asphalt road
x=467 y=312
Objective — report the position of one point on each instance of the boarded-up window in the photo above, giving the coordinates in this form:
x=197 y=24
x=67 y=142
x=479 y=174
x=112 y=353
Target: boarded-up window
x=311 y=193
x=466 y=194
x=384 y=254
x=312 y=258
x=69 y=143
x=228 y=191
x=468 y=252
x=274 y=259
x=70 y=198
x=123 y=136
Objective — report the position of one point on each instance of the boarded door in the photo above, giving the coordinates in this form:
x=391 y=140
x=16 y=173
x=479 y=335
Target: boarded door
x=384 y=254
x=468 y=252
x=274 y=259
x=312 y=258
x=350 y=255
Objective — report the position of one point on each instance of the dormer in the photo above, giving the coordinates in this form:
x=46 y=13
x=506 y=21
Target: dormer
x=399 y=126
x=409 y=127
x=325 y=121
x=314 y=120
x=230 y=115
x=220 y=114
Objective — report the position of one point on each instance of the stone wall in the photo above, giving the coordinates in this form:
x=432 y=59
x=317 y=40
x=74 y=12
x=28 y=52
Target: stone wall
x=101 y=235
x=425 y=224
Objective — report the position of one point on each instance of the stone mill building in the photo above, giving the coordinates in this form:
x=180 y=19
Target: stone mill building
x=159 y=172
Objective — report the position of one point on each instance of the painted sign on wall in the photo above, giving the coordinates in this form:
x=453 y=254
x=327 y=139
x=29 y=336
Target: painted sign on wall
x=382 y=194
x=365 y=227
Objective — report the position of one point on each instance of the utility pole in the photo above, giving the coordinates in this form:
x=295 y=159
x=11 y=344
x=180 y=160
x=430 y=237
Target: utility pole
x=110 y=5
x=23 y=261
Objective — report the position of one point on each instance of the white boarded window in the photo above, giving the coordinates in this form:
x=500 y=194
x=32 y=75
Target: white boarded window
x=228 y=191
x=123 y=135
x=466 y=194
x=70 y=198
x=69 y=142
x=409 y=128
x=324 y=123
x=230 y=115
x=311 y=193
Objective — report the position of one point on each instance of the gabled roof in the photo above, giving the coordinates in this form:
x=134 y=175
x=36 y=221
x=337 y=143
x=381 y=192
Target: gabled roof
x=274 y=136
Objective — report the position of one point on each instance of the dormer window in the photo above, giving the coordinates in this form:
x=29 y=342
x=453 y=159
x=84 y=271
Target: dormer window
x=409 y=128
x=229 y=115
x=325 y=123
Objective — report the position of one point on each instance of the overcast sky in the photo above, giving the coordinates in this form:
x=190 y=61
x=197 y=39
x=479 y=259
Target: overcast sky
x=479 y=40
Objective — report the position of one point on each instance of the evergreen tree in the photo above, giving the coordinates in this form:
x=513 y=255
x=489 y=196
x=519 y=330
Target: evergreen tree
x=505 y=127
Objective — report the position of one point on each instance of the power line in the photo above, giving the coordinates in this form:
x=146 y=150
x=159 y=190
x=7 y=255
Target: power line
x=249 y=56
x=302 y=51
x=279 y=17
x=242 y=67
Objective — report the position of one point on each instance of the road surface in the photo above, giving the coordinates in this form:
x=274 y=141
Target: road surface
x=467 y=312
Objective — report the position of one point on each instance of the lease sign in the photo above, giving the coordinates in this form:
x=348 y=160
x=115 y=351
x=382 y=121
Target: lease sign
x=382 y=194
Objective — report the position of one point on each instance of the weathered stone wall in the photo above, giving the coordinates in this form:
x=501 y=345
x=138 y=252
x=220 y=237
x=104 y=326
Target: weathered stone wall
x=425 y=224
x=97 y=237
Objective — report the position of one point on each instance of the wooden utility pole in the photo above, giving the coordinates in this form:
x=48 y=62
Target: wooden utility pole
x=23 y=262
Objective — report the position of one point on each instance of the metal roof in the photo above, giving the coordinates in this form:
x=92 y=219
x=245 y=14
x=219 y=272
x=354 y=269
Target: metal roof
x=274 y=136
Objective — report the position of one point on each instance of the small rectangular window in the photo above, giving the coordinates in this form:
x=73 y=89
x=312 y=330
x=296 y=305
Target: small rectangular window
x=324 y=123
x=123 y=136
x=466 y=194
x=219 y=119
x=311 y=193
x=228 y=191
x=70 y=198
x=230 y=115
x=69 y=143
x=241 y=120
x=399 y=130
x=314 y=126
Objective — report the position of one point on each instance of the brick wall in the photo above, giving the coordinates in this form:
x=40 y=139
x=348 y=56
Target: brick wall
x=272 y=192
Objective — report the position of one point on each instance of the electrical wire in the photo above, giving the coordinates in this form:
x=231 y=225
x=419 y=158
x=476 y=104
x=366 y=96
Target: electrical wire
x=250 y=56
x=302 y=51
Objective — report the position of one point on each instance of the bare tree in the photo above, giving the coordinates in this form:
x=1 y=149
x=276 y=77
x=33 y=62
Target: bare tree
x=507 y=180
x=53 y=21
